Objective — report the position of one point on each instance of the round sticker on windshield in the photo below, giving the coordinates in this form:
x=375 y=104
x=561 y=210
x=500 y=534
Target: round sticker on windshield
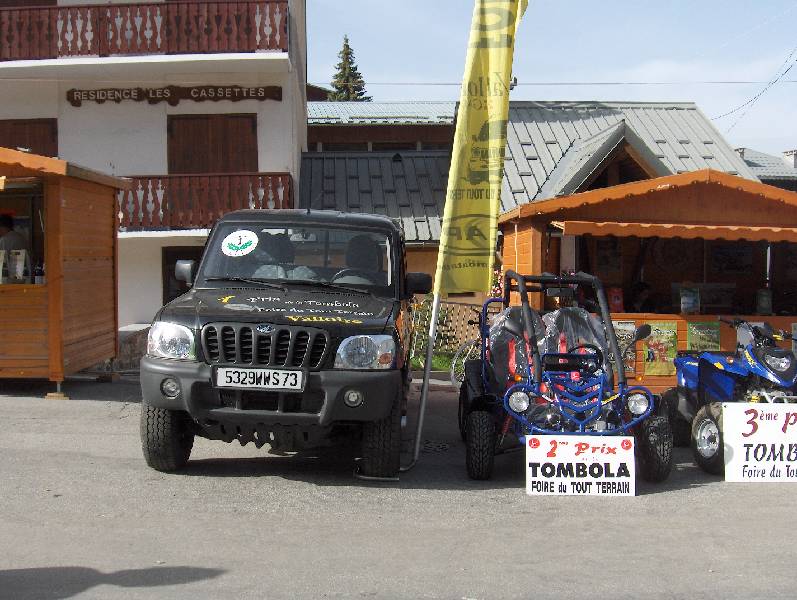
x=239 y=243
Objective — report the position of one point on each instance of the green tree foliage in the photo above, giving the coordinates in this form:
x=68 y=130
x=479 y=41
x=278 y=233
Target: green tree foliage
x=348 y=83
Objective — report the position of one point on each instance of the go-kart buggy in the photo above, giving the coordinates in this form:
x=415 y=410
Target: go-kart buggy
x=756 y=372
x=555 y=374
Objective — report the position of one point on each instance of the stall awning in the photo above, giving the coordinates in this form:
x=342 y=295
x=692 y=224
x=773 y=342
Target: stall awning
x=671 y=230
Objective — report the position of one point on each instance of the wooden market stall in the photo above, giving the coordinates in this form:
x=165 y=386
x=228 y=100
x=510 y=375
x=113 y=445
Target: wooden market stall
x=677 y=252
x=58 y=298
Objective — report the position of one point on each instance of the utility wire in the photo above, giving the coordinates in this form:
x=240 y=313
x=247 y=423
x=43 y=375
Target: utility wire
x=569 y=83
x=779 y=74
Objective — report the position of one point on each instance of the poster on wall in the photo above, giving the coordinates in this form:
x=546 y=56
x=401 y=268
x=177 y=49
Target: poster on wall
x=624 y=330
x=661 y=348
x=703 y=336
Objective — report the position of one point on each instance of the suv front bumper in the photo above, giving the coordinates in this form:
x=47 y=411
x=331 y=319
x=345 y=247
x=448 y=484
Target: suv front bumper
x=206 y=403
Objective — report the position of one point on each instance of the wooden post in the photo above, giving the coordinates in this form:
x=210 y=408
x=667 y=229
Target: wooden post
x=53 y=251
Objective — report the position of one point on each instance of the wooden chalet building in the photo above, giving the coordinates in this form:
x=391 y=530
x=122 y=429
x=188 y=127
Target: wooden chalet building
x=202 y=104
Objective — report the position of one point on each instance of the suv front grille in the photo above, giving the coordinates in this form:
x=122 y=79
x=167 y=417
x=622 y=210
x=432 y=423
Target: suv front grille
x=309 y=402
x=284 y=346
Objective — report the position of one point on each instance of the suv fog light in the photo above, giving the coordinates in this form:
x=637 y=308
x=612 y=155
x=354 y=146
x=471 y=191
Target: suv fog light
x=170 y=387
x=353 y=398
x=637 y=403
x=519 y=402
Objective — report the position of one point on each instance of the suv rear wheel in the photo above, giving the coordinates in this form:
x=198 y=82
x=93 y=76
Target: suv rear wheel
x=166 y=438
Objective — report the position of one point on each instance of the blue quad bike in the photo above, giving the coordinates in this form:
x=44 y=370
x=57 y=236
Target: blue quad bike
x=555 y=374
x=758 y=371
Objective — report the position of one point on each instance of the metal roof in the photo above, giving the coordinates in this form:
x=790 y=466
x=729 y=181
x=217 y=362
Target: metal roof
x=384 y=113
x=409 y=186
x=552 y=146
x=767 y=166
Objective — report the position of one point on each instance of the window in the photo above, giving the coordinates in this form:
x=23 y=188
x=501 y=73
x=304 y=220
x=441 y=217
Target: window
x=212 y=144
x=40 y=136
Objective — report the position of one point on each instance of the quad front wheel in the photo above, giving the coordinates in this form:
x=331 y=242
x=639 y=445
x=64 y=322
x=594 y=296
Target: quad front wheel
x=654 y=448
x=166 y=438
x=707 y=438
x=480 y=445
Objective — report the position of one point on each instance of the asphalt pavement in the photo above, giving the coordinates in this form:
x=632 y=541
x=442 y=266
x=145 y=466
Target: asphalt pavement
x=81 y=516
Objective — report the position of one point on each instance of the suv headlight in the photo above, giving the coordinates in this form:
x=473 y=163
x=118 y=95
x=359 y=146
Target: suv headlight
x=366 y=352
x=169 y=340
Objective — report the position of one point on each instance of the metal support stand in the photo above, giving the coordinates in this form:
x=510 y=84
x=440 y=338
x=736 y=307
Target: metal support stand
x=427 y=370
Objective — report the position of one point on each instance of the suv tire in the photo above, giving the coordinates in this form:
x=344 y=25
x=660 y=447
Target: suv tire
x=382 y=444
x=166 y=438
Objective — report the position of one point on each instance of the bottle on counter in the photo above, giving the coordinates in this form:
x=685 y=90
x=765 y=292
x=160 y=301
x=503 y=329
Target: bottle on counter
x=38 y=274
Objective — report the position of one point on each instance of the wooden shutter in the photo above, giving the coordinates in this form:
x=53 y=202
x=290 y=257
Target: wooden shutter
x=38 y=135
x=202 y=144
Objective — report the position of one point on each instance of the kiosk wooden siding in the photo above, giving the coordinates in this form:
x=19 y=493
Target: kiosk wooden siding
x=70 y=323
x=703 y=204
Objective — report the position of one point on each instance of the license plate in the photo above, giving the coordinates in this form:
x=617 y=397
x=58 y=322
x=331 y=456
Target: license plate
x=263 y=379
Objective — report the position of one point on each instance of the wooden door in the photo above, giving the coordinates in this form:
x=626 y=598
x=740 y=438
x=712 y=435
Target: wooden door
x=40 y=136
x=205 y=144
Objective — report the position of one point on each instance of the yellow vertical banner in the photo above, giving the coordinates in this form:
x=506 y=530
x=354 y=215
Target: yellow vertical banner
x=470 y=221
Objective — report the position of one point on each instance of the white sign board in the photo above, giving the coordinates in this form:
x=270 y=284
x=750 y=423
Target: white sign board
x=760 y=441
x=580 y=465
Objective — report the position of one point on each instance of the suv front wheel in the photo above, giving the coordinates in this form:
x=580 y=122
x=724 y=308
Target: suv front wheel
x=382 y=445
x=166 y=438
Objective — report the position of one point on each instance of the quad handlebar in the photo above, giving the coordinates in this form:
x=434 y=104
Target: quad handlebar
x=760 y=334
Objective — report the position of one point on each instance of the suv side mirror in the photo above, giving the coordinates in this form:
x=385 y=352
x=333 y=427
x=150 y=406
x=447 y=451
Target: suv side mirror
x=184 y=271
x=418 y=283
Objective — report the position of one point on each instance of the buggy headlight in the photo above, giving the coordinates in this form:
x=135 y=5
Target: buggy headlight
x=366 y=352
x=519 y=402
x=169 y=340
x=637 y=403
x=777 y=363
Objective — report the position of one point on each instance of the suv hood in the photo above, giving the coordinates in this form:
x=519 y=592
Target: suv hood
x=323 y=309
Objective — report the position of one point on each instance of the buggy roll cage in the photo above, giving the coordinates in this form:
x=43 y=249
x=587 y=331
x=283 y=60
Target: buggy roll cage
x=523 y=284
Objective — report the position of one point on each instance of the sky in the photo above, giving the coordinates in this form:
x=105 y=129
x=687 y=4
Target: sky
x=680 y=43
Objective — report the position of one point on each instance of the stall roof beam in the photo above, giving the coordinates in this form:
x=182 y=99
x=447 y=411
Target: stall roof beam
x=14 y=163
x=649 y=186
x=672 y=230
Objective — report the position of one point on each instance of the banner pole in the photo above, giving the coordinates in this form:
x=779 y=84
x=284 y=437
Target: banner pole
x=427 y=370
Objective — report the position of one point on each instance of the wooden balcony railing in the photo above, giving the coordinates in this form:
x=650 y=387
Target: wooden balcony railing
x=183 y=27
x=197 y=201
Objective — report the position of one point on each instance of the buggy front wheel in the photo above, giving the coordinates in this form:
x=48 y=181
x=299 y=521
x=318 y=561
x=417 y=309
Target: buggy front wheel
x=707 y=438
x=480 y=445
x=654 y=448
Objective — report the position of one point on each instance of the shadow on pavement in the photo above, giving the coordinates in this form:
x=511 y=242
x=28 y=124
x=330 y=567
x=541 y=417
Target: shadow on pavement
x=126 y=389
x=53 y=583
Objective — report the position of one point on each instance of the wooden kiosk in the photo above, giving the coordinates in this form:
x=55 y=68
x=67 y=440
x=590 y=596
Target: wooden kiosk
x=60 y=316
x=731 y=239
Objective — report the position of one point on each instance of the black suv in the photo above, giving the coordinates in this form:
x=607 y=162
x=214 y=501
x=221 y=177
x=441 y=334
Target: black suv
x=296 y=327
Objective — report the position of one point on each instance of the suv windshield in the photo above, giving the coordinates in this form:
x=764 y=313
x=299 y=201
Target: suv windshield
x=293 y=255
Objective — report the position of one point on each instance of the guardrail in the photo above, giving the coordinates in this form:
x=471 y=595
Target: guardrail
x=197 y=201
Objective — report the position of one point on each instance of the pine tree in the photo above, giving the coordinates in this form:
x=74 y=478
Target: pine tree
x=348 y=83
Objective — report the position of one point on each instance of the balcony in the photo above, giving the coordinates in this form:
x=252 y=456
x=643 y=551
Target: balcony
x=161 y=202
x=182 y=27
